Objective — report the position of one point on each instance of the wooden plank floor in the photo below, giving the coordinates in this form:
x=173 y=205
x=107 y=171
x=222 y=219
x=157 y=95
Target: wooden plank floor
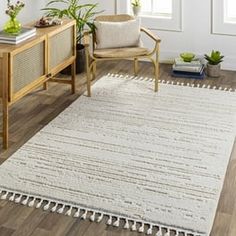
x=34 y=111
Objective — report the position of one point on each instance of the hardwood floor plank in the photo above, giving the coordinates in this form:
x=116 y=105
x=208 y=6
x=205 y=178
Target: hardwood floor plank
x=6 y=211
x=49 y=221
x=227 y=195
x=6 y=231
x=221 y=225
x=95 y=229
x=232 y=229
x=61 y=227
x=40 y=232
x=30 y=223
x=80 y=227
x=18 y=215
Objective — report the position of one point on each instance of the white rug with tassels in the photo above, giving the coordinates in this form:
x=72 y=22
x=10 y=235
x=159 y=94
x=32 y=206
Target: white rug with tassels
x=155 y=159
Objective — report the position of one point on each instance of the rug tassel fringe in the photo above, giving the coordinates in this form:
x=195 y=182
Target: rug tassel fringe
x=54 y=208
x=69 y=211
x=30 y=201
x=12 y=197
x=92 y=217
x=134 y=227
x=99 y=219
x=117 y=222
x=141 y=78
x=141 y=228
x=149 y=231
x=109 y=222
x=84 y=216
x=61 y=209
x=159 y=233
x=167 y=233
x=39 y=203
x=25 y=201
x=4 y=196
x=126 y=226
x=18 y=199
x=76 y=215
x=46 y=207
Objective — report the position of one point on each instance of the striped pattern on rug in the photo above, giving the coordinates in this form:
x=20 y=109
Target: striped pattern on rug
x=129 y=153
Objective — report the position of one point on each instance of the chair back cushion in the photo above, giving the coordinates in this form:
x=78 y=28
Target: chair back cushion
x=110 y=34
x=114 y=18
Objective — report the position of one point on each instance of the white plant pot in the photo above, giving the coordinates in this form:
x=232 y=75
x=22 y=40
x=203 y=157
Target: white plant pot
x=136 y=10
x=213 y=70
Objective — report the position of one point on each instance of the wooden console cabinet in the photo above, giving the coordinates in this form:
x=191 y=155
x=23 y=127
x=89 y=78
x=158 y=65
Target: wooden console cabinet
x=33 y=63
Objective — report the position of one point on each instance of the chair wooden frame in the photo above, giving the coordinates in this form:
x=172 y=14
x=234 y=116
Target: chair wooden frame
x=91 y=59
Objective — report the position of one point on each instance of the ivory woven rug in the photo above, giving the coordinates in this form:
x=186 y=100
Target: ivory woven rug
x=155 y=159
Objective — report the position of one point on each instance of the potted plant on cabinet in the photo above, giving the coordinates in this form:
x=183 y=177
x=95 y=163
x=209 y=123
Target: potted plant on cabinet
x=83 y=14
x=213 y=63
x=136 y=5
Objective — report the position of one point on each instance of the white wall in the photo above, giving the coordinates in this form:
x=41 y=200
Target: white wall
x=30 y=12
x=108 y=6
x=196 y=35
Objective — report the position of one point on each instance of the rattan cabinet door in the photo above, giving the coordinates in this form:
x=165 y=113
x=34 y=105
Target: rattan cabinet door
x=28 y=69
x=61 y=49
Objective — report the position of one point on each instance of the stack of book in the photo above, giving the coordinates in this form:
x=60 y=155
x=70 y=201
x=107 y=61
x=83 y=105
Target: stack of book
x=193 y=69
x=25 y=33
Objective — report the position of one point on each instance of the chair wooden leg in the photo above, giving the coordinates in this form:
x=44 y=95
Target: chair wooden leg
x=156 y=73
x=94 y=69
x=88 y=83
x=73 y=75
x=156 y=76
x=5 y=124
x=157 y=68
x=135 y=66
x=88 y=72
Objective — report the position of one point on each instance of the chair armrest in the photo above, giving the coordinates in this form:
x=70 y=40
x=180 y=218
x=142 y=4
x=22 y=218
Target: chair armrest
x=150 y=34
x=86 y=39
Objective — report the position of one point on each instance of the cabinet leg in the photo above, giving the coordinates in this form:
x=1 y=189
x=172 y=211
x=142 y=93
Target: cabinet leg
x=73 y=75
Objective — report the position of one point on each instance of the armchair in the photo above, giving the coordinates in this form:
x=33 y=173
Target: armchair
x=129 y=52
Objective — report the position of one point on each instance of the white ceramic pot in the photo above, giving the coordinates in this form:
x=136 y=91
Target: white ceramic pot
x=136 y=10
x=213 y=70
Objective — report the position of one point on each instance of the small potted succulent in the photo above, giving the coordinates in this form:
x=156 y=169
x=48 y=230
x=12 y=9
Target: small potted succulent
x=136 y=4
x=213 y=63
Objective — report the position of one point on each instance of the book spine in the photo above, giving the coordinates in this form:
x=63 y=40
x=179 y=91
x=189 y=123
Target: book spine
x=19 y=37
x=17 y=41
x=188 y=68
x=193 y=65
x=191 y=76
x=183 y=63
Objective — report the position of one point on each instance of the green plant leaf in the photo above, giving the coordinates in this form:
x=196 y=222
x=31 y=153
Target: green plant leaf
x=214 y=58
x=82 y=13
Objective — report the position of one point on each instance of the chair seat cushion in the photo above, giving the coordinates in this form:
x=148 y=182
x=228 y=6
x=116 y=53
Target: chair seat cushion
x=120 y=52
